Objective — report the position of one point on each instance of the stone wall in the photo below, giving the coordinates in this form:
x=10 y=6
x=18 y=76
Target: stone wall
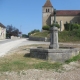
x=14 y=37
x=65 y=19
x=38 y=38
x=59 y=55
x=68 y=19
x=39 y=53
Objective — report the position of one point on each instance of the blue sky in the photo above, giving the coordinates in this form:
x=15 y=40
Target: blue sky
x=26 y=15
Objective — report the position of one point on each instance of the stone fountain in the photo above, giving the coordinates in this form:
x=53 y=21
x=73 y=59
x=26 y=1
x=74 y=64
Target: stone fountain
x=54 y=52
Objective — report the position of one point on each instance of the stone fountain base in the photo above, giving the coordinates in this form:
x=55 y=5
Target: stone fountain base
x=59 y=55
x=54 y=53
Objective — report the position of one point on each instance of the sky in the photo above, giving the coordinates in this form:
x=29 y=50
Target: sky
x=26 y=15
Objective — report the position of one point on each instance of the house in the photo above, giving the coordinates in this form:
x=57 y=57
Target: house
x=2 y=31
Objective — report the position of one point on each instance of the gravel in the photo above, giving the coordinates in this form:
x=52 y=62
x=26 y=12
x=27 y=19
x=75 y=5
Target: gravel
x=35 y=74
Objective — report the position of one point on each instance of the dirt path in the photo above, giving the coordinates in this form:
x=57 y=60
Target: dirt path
x=34 y=74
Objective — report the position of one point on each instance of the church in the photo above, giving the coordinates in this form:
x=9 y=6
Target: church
x=62 y=16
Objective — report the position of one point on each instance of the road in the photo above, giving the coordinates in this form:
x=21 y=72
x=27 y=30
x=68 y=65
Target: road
x=7 y=40
x=8 y=44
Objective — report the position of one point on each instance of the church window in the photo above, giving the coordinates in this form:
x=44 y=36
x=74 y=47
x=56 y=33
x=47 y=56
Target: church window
x=48 y=10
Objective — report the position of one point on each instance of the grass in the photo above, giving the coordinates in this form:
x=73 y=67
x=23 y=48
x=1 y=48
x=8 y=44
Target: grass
x=41 y=34
x=64 y=36
x=67 y=36
x=75 y=58
x=18 y=62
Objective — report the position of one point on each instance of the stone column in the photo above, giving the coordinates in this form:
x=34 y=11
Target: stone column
x=61 y=26
x=54 y=38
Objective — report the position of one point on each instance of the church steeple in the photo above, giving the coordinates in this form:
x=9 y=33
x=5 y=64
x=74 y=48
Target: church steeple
x=46 y=13
x=48 y=4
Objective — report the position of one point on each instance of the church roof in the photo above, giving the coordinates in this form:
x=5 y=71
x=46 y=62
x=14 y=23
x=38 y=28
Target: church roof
x=67 y=13
x=47 y=4
x=1 y=25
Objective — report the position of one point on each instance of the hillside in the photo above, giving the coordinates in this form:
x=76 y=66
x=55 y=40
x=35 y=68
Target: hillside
x=65 y=36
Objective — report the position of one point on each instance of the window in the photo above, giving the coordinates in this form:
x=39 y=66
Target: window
x=48 y=10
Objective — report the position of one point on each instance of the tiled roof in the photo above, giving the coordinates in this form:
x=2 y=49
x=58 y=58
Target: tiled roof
x=47 y=4
x=1 y=25
x=67 y=13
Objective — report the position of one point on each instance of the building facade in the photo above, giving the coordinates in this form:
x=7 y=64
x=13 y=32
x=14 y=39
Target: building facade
x=62 y=16
x=2 y=31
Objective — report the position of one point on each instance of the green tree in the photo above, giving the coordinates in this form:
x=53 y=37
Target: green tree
x=25 y=36
x=33 y=31
x=11 y=31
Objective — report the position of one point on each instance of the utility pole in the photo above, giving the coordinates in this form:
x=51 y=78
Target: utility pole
x=20 y=28
x=20 y=32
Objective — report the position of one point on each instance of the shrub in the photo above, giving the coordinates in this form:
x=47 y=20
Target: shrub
x=67 y=26
x=46 y=27
x=33 y=31
x=71 y=27
x=77 y=32
x=56 y=25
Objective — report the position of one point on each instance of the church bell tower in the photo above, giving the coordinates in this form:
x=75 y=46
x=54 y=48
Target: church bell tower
x=47 y=10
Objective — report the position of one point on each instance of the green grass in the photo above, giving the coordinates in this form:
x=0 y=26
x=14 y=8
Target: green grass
x=67 y=36
x=47 y=65
x=75 y=58
x=18 y=62
x=64 y=36
x=41 y=34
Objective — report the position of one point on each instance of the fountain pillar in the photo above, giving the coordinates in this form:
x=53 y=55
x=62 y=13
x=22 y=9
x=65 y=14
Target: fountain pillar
x=54 y=38
x=54 y=35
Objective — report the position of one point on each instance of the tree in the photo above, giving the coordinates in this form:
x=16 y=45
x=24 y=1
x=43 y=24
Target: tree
x=11 y=31
x=33 y=31
x=25 y=36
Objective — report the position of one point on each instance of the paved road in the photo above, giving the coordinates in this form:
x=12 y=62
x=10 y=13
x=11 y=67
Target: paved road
x=7 y=40
x=7 y=45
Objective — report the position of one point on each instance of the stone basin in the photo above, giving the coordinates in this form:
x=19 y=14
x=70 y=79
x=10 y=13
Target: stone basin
x=60 y=55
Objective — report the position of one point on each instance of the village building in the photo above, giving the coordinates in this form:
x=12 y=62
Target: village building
x=2 y=31
x=62 y=16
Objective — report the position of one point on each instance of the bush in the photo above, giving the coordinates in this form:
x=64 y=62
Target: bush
x=25 y=36
x=77 y=32
x=33 y=31
x=46 y=27
x=71 y=27
x=56 y=25
x=67 y=26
